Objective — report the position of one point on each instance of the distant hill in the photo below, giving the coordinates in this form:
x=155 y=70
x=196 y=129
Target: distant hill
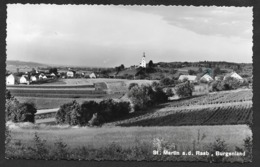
x=24 y=63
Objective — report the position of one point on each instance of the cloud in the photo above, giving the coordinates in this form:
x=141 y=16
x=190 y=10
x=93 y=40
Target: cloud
x=222 y=21
x=114 y=35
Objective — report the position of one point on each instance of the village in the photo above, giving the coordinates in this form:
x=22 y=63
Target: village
x=202 y=79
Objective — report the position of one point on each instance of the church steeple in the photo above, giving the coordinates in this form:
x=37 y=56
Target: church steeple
x=143 y=63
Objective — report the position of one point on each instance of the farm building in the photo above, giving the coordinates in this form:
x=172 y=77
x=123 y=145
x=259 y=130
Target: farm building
x=52 y=74
x=70 y=74
x=24 y=79
x=206 y=78
x=42 y=76
x=90 y=75
x=233 y=75
x=11 y=79
x=33 y=78
x=191 y=78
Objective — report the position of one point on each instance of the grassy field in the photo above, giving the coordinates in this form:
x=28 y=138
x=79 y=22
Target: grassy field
x=48 y=102
x=187 y=138
x=126 y=136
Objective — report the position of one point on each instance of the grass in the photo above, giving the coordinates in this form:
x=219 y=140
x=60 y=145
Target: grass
x=126 y=136
x=133 y=143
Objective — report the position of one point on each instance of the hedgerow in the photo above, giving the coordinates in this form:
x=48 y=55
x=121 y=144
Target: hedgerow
x=91 y=112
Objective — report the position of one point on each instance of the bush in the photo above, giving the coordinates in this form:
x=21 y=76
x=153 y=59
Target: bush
x=184 y=89
x=19 y=112
x=166 y=81
x=169 y=92
x=88 y=108
x=146 y=95
x=69 y=113
x=8 y=95
x=39 y=150
x=218 y=145
x=139 y=95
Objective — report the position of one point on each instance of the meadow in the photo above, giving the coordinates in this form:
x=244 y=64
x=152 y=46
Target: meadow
x=124 y=139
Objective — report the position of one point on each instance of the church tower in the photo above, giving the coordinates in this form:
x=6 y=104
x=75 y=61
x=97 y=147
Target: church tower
x=143 y=63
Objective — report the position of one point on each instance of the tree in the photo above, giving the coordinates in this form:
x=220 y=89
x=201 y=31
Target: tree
x=139 y=95
x=192 y=72
x=231 y=83
x=19 y=112
x=122 y=67
x=184 y=89
x=53 y=70
x=169 y=92
x=217 y=71
x=88 y=108
x=132 y=85
x=8 y=94
x=200 y=70
x=26 y=112
x=69 y=113
x=150 y=64
x=166 y=81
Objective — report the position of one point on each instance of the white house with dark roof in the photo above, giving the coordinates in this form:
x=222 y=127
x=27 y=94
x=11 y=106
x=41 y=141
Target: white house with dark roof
x=233 y=75
x=33 y=78
x=10 y=79
x=24 y=79
x=206 y=78
x=70 y=74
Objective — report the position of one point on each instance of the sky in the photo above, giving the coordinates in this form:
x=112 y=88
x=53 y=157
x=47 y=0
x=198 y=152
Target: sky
x=108 y=36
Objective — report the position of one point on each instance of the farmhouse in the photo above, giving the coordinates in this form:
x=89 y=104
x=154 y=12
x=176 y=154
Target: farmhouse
x=206 y=78
x=191 y=78
x=233 y=75
x=11 y=79
x=33 y=78
x=70 y=74
x=24 y=79
x=42 y=76
x=90 y=75
x=53 y=75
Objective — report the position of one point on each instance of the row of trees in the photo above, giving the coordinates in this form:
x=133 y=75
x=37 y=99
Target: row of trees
x=91 y=113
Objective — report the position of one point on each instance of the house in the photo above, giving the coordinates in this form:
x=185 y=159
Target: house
x=33 y=78
x=11 y=79
x=42 y=76
x=233 y=75
x=70 y=74
x=206 y=78
x=191 y=78
x=53 y=75
x=90 y=75
x=24 y=79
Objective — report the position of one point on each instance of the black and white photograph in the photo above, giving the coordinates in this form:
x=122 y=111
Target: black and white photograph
x=129 y=83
